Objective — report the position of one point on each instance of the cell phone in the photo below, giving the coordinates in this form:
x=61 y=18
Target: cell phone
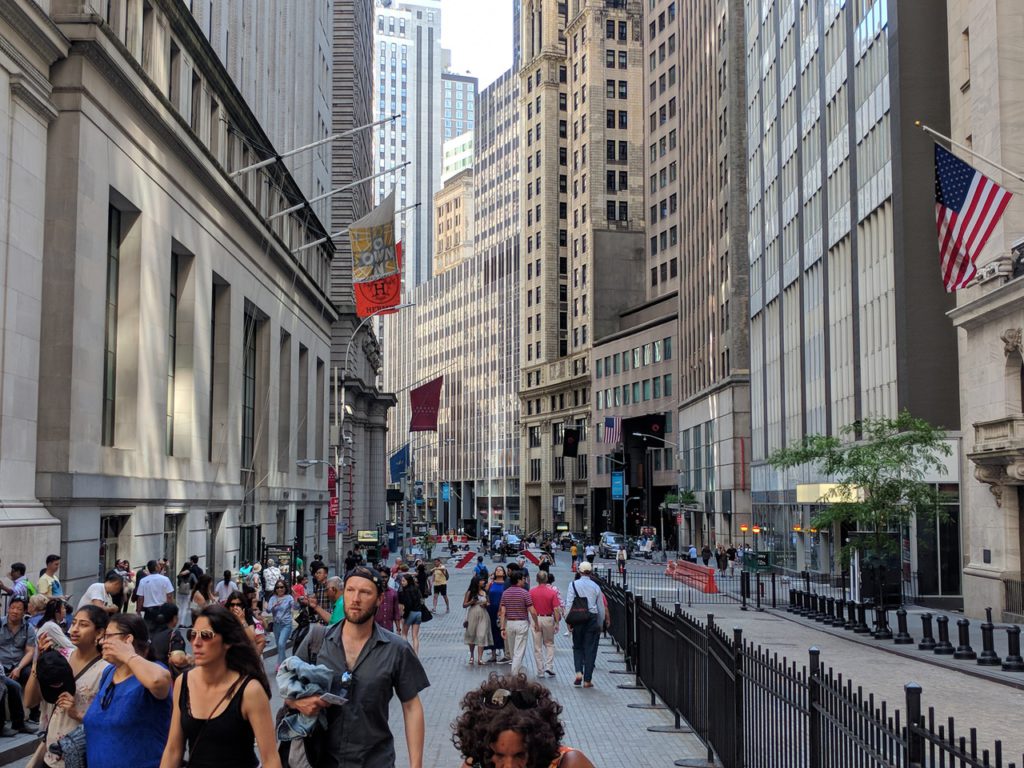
x=333 y=699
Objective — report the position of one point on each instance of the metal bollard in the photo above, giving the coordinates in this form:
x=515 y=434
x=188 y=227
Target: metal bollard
x=882 y=629
x=822 y=610
x=760 y=589
x=799 y=608
x=840 y=617
x=775 y=601
x=1013 y=661
x=851 y=615
x=943 y=647
x=963 y=646
x=927 y=639
x=744 y=589
x=902 y=635
x=830 y=610
x=792 y=601
x=988 y=657
x=861 y=627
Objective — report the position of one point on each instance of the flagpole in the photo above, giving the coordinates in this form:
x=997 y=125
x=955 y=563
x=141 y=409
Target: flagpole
x=943 y=137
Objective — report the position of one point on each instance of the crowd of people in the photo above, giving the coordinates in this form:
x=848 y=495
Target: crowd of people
x=146 y=672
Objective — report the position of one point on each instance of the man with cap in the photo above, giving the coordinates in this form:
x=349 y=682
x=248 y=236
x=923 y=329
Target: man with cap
x=372 y=664
x=585 y=636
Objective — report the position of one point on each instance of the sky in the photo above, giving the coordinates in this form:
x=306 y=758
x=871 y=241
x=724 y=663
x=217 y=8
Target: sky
x=479 y=35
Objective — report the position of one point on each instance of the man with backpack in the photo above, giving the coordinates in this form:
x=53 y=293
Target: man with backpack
x=480 y=570
x=22 y=587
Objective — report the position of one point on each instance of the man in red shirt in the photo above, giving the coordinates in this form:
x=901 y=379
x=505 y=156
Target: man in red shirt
x=514 y=614
x=388 y=616
x=549 y=613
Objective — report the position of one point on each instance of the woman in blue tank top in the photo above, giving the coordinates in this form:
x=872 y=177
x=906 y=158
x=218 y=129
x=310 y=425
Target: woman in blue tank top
x=126 y=724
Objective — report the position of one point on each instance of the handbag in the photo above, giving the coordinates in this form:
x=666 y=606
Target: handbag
x=579 y=613
x=425 y=614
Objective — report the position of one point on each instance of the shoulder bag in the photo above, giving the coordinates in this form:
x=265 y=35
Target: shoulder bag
x=579 y=612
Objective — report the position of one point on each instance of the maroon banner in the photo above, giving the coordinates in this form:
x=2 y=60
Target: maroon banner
x=332 y=481
x=332 y=509
x=425 y=402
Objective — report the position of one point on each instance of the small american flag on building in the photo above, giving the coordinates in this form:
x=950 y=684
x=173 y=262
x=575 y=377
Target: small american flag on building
x=968 y=205
x=612 y=430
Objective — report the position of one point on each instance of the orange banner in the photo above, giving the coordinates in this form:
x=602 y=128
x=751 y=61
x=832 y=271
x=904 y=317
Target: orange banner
x=376 y=260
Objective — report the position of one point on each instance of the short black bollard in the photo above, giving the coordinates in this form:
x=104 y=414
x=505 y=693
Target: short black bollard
x=963 y=646
x=840 y=618
x=851 y=615
x=757 y=595
x=792 y=601
x=943 y=647
x=830 y=609
x=1013 y=661
x=822 y=613
x=810 y=605
x=927 y=638
x=744 y=589
x=988 y=657
x=861 y=627
x=882 y=629
x=799 y=610
x=902 y=635
x=775 y=600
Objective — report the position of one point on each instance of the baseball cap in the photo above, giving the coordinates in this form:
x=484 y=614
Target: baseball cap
x=586 y=567
x=362 y=572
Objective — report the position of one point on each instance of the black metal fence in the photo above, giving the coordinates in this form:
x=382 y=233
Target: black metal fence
x=755 y=709
x=1013 y=600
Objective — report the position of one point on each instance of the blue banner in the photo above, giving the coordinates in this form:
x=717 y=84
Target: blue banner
x=399 y=463
x=618 y=485
x=446 y=493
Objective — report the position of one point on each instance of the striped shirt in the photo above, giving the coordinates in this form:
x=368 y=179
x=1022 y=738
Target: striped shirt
x=516 y=601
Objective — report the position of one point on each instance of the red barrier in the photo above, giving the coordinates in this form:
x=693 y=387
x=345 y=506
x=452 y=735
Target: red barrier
x=693 y=575
x=531 y=557
x=466 y=559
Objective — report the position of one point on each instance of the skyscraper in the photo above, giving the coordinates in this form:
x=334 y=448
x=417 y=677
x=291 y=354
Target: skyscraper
x=582 y=243
x=460 y=93
x=408 y=64
x=847 y=310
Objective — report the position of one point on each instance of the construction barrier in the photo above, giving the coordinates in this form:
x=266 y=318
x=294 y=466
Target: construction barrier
x=466 y=559
x=692 y=575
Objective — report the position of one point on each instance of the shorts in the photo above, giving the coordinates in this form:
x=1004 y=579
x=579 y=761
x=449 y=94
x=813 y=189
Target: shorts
x=414 y=617
x=441 y=589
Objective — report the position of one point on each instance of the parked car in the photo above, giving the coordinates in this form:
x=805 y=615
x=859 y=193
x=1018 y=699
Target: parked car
x=610 y=543
x=567 y=538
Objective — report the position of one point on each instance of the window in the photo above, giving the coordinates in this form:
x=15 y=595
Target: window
x=623 y=59
x=172 y=334
x=110 y=328
x=534 y=433
x=535 y=470
x=609 y=58
x=610 y=212
x=248 y=389
x=622 y=31
x=623 y=210
x=623 y=91
x=623 y=119
x=667 y=384
x=609 y=30
x=609 y=118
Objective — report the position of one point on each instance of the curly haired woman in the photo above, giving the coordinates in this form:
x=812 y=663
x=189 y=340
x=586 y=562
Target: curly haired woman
x=509 y=722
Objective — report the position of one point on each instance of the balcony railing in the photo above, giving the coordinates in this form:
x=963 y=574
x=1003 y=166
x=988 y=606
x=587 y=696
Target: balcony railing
x=999 y=434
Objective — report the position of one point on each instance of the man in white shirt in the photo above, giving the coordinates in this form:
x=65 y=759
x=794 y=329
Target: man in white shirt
x=152 y=592
x=591 y=553
x=585 y=636
x=101 y=593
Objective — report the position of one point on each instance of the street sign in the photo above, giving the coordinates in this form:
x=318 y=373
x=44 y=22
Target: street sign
x=618 y=485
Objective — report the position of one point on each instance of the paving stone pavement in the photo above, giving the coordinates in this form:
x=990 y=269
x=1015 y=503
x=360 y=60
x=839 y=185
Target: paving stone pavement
x=597 y=720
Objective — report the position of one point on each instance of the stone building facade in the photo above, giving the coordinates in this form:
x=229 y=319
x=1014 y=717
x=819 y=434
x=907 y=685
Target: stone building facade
x=182 y=347
x=453 y=221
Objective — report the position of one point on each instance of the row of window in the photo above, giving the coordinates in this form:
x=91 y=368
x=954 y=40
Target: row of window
x=661 y=459
x=638 y=357
x=697 y=458
x=637 y=392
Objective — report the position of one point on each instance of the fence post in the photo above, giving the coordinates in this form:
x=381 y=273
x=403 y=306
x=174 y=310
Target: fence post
x=744 y=589
x=760 y=588
x=775 y=601
x=915 y=741
x=737 y=647
x=630 y=650
x=814 y=756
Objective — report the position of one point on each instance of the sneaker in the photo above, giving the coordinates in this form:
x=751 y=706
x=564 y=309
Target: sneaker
x=579 y=680
x=551 y=673
x=588 y=684
x=7 y=732
x=505 y=661
x=26 y=728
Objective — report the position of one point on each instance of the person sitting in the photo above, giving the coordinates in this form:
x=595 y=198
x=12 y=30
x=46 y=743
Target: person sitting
x=509 y=721
x=17 y=647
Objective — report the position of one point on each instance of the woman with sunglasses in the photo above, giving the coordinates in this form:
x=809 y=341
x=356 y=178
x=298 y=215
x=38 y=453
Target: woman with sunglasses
x=240 y=607
x=127 y=722
x=65 y=715
x=222 y=705
x=280 y=607
x=509 y=722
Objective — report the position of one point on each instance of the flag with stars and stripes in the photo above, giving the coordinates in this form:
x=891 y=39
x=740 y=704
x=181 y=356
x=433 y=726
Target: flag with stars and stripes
x=968 y=205
x=612 y=430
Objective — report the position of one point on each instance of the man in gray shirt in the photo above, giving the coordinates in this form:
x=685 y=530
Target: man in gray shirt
x=372 y=665
x=586 y=636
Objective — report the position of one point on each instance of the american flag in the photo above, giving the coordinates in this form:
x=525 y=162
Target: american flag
x=612 y=430
x=968 y=206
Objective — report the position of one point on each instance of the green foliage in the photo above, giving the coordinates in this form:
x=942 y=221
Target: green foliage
x=879 y=474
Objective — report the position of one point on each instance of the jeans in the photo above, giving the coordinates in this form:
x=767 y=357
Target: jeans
x=282 y=634
x=14 y=704
x=517 y=636
x=585 y=638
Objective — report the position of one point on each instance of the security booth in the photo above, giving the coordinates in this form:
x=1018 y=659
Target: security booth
x=369 y=540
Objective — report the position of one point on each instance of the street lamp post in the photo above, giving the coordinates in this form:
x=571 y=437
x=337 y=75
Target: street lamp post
x=679 y=492
x=341 y=408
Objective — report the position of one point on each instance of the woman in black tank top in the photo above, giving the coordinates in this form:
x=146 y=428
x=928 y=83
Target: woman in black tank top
x=218 y=712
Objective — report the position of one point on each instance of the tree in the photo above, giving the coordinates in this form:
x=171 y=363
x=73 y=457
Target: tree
x=879 y=474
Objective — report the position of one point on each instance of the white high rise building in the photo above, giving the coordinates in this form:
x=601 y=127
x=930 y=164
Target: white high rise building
x=408 y=64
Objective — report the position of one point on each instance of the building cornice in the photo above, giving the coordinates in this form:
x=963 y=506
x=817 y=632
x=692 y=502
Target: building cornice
x=1004 y=301
x=735 y=380
x=36 y=28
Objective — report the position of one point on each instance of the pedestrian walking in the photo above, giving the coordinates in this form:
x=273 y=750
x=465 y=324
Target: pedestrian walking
x=422 y=579
x=620 y=559
x=591 y=553
x=202 y=594
x=495 y=589
x=64 y=714
x=478 y=622
x=515 y=616
x=389 y=612
x=510 y=722
x=153 y=591
x=377 y=665
x=691 y=554
x=187 y=581
x=411 y=600
x=222 y=705
x=241 y=608
x=480 y=570
x=440 y=576
x=705 y=554
x=585 y=635
x=280 y=607
x=721 y=559
x=548 y=607
x=574 y=554
x=128 y=720
x=102 y=593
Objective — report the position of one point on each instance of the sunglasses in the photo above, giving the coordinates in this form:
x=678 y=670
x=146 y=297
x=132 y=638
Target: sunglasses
x=500 y=698
x=206 y=635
